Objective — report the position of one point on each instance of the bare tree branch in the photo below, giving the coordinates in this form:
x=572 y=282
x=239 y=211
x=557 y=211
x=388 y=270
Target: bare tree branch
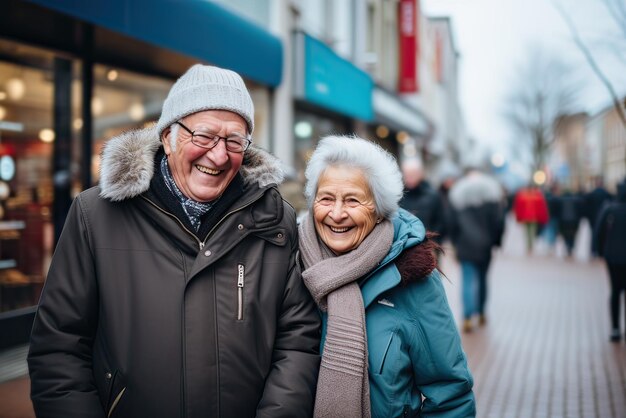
x=536 y=100
x=617 y=10
x=592 y=62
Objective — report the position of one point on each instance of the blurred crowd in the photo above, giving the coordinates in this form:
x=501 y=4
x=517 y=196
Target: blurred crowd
x=554 y=212
x=468 y=211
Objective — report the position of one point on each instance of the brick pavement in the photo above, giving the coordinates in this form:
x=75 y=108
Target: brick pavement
x=544 y=351
x=15 y=400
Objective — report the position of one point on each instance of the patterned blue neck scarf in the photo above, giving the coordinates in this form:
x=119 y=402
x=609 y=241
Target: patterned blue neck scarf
x=194 y=210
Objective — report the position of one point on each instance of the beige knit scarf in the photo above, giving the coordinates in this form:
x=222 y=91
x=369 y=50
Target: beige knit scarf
x=343 y=385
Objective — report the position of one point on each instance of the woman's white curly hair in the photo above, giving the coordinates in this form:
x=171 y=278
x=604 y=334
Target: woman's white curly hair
x=379 y=167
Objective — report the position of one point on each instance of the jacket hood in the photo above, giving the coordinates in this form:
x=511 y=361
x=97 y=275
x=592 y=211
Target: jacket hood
x=408 y=232
x=475 y=189
x=127 y=165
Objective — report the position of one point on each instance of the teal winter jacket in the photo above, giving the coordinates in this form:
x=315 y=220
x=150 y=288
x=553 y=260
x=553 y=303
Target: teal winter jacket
x=414 y=346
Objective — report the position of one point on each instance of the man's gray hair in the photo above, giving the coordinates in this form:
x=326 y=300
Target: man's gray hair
x=379 y=167
x=174 y=136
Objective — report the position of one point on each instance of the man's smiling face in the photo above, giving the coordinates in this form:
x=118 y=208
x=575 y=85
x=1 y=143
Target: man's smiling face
x=203 y=174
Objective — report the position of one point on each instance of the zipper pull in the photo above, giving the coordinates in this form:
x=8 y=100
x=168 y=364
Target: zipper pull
x=201 y=244
x=240 y=292
x=240 y=275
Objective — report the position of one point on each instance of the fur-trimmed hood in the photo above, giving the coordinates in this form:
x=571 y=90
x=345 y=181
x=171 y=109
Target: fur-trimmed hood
x=475 y=189
x=127 y=165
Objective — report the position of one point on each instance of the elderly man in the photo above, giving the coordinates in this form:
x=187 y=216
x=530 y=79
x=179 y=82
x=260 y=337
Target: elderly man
x=174 y=289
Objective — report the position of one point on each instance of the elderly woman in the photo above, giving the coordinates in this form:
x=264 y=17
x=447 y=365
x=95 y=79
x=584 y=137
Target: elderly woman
x=390 y=344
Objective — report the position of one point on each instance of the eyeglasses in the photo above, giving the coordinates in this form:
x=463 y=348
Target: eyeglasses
x=208 y=140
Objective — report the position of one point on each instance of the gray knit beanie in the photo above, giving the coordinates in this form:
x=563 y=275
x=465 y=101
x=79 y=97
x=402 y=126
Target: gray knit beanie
x=204 y=87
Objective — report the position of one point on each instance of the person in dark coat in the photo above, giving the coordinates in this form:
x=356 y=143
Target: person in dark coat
x=174 y=290
x=476 y=227
x=571 y=209
x=594 y=201
x=550 y=230
x=448 y=180
x=422 y=200
x=610 y=238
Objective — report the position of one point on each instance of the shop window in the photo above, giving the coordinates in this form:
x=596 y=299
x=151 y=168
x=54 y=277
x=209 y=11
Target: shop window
x=26 y=190
x=123 y=100
x=308 y=129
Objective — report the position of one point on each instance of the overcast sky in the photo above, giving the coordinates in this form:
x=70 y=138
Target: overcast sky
x=494 y=38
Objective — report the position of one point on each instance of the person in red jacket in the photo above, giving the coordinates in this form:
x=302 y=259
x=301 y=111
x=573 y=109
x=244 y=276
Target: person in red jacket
x=531 y=209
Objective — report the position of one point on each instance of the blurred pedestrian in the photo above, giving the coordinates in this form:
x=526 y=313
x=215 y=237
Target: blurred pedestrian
x=421 y=199
x=530 y=209
x=550 y=230
x=594 y=201
x=174 y=289
x=449 y=177
x=570 y=213
x=476 y=227
x=610 y=238
x=390 y=345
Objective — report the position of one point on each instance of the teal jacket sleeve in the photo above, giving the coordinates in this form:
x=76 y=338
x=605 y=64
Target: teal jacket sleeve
x=439 y=363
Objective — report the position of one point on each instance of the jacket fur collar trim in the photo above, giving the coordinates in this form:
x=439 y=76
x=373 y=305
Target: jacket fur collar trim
x=127 y=165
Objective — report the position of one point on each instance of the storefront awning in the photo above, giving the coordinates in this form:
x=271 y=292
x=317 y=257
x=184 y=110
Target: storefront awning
x=199 y=29
x=392 y=111
x=327 y=80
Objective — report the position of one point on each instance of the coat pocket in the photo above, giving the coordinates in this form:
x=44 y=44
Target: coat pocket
x=385 y=353
x=110 y=381
x=118 y=388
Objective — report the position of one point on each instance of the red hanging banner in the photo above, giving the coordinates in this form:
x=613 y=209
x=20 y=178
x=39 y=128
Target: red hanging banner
x=408 y=81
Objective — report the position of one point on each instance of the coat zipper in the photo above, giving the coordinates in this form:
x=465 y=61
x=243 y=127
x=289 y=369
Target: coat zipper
x=171 y=215
x=201 y=246
x=224 y=217
x=240 y=283
x=200 y=243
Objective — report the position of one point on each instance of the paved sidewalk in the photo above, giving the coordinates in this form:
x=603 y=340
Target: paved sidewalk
x=545 y=351
x=15 y=400
x=14 y=385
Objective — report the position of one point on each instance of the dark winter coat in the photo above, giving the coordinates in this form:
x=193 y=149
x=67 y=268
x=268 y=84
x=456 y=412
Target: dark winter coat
x=554 y=209
x=141 y=318
x=571 y=209
x=610 y=230
x=594 y=201
x=426 y=203
x=477 y=220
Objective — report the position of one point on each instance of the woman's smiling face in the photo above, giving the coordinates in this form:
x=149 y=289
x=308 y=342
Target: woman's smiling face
x=344 y=210
x=203 y=174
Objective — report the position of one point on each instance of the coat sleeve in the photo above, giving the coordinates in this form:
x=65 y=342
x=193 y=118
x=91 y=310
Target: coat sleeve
x=439 y=364
x=59 y=359
x=599 y=231
x=498 y=220
x=290 y=387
